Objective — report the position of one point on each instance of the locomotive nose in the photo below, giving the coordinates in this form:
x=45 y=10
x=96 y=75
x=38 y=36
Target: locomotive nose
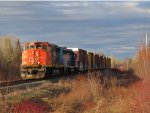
x=34 y=57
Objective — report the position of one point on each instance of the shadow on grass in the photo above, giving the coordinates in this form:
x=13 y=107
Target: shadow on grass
x=120 y=77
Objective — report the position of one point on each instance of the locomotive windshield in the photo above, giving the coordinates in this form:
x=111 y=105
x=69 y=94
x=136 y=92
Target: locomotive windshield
x=35 y=46
x=41 y=47
x=38 y=47
x=29 y=47
x=32 y=46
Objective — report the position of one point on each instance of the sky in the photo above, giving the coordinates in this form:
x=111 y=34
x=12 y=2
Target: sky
x=114 y=28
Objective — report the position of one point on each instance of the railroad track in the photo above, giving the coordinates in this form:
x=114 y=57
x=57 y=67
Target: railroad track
x=11 y=83
x=10 y=87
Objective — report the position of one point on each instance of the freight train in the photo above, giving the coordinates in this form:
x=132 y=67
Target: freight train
x=42 y=59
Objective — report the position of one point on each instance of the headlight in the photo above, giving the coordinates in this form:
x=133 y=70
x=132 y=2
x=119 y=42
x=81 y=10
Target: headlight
x=37 y=54
x=38 y=62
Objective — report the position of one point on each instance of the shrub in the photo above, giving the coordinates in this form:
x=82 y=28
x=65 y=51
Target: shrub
x=10 y=54
x=142 y=62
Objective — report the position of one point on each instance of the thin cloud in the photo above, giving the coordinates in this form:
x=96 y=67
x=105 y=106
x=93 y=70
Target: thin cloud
x=88 y=25
x=123 y=48
x=120 y=51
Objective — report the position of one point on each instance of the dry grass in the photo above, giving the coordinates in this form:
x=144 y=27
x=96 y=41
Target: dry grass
x=141 y=63
x=11 y=102
x=66 y=96
x=83 y=94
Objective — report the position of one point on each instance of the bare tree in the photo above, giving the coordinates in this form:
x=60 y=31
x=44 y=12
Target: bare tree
x=10 y=50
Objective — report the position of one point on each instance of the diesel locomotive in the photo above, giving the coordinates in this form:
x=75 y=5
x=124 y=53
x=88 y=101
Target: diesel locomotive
x=42 y=59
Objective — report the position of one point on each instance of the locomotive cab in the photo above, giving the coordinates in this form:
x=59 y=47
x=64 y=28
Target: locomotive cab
x=34 y=59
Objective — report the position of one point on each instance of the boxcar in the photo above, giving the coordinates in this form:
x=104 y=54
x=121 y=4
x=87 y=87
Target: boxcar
x=97 y=61
x=90 y=60
x=101 y=62
x=109 y=63
x=81 y=60
x=104 y=62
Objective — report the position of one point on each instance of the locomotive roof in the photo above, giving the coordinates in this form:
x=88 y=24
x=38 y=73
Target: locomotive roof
x=34 y=42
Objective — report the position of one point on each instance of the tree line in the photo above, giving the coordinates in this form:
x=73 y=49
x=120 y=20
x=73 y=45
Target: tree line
x=10 y=58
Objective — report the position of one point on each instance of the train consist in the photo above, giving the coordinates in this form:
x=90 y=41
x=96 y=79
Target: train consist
x=42 y=59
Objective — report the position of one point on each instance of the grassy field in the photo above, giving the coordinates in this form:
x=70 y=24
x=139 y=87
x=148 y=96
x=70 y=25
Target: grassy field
x=82 y=94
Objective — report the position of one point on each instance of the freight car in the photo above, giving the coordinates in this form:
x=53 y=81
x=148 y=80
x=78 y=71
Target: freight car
x=101 y=62
x=108 y=62
x=90 y=61
x=97 y=62
x=42 y=59
x=81 y=60
x=104 y=62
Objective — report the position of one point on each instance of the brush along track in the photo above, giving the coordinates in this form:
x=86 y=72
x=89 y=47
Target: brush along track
x=10 y=87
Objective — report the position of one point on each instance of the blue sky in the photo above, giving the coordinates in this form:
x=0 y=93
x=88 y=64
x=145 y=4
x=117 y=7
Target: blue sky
x=115 y=28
